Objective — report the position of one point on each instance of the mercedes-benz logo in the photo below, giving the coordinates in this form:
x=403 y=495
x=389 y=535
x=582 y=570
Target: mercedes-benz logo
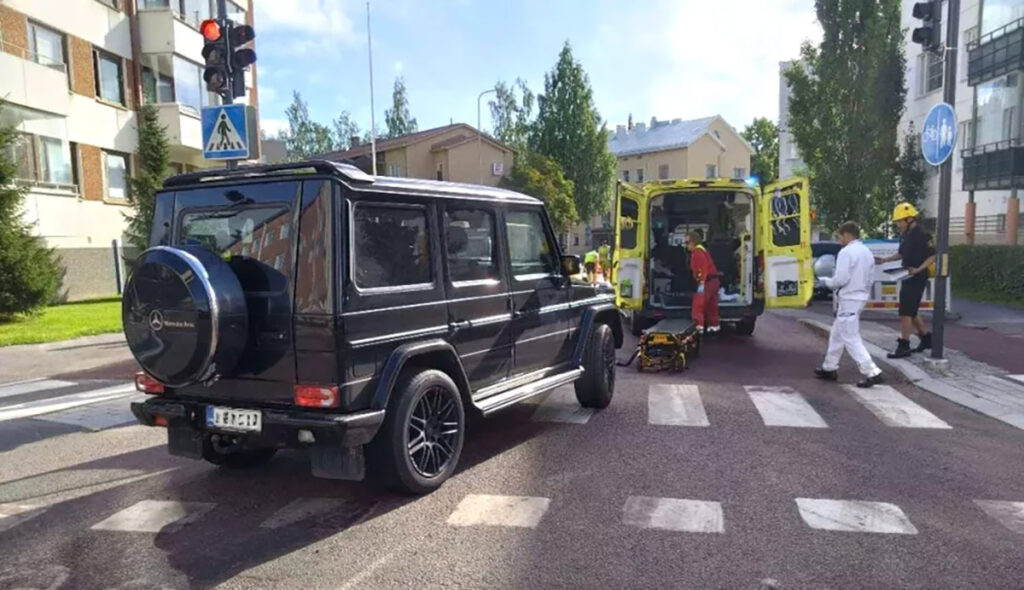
x=156 y=320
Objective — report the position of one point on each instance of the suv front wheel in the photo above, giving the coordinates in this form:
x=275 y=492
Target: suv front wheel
x=595 y=388
x=419 y=444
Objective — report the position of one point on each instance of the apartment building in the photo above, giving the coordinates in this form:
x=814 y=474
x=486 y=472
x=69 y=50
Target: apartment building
x=73 y=74
x=993 y=156
x=790 y=162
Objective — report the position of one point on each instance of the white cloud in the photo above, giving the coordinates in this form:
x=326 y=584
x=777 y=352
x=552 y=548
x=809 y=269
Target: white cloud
x=399 y=66
x=273 y=126
x=320 y=17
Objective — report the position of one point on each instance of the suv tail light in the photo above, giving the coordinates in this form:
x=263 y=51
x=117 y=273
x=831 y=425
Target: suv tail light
x=316 y=396
x=147 y=384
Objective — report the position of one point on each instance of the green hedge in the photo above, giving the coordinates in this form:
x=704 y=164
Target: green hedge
x=995 y=272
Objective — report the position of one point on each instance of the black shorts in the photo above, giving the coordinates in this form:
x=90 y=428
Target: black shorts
x=590 y=266
x=911 y=292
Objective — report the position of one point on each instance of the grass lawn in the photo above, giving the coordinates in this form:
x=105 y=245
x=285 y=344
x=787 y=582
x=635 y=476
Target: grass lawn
x=62 y=322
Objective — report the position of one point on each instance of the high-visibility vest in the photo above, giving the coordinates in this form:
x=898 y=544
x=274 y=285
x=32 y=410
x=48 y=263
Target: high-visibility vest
x=590 y=257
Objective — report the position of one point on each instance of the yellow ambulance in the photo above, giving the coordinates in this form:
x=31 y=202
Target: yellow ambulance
x=759 y=239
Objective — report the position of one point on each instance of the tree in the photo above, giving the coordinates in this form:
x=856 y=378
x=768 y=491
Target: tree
x=154 y=166
x=763 y=136
x=541 y=177
x=398 y=119
x=511 y=115
x=569 y=129
x=845 y=105
x=305 y=138
x=910 y=170
x=29 y=271
x=344 y=130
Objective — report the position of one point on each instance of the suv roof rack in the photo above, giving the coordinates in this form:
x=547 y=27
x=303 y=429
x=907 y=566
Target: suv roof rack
x=348 y=171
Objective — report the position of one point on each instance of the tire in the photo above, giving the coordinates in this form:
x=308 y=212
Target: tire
x=184 y=315
x=637 y=324
x=240 y=459
x=431 y=399
x=597 y=385
x=745 y=327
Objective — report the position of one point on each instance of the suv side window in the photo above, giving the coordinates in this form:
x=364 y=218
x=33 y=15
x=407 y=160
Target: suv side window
x=472 y=247
x=392 y=246
x=531 y=251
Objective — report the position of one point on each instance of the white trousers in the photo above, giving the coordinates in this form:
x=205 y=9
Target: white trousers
x=845 y=335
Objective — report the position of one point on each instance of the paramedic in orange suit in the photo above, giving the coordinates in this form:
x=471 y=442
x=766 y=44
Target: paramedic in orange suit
x=705 y=300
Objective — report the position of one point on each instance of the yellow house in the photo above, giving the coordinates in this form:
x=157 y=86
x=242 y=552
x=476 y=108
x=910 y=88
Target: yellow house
x=457 y=153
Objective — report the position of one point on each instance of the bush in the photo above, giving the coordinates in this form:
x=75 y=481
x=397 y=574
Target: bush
x=994 y=271
x=29 y=271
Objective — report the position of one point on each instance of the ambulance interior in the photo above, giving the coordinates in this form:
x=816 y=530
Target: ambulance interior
x=726 y=219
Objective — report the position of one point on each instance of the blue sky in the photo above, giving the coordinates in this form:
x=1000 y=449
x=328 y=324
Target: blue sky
x=661 y=58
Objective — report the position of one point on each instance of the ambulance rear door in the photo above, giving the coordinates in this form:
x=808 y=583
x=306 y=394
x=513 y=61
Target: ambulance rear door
x=785 y=239
x=630 y=246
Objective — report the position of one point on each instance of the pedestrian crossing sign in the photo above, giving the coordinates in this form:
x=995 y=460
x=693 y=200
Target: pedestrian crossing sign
x=225 y=132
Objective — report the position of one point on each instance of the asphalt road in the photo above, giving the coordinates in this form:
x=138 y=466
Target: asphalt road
x=685 y=481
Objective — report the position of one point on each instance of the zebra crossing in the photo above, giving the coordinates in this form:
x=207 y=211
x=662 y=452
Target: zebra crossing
x=90 y=404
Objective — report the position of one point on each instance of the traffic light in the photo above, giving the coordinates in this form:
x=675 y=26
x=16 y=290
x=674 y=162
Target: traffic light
x=241 y=57
x=929 y=34
x=215 y=54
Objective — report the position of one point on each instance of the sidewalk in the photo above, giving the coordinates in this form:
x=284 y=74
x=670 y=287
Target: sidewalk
x=66 y=358
x=985 y=388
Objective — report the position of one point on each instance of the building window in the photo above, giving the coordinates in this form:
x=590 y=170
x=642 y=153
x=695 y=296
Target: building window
x=639 y=174
x=157 y=87
x=394 y=169
x=930 y=77
x=109 y=76
x=966 y=128
x=189 y=88
x=115 y=168
x=663 y=172
x=625 y=175
x=970 y=36
x=46 y=46
x=710 y=171
x=996 y=108
x=43 y=160
x=111 y=3
x=999 y=13
x=440 y=171
x=739 y=172
x=284 y=232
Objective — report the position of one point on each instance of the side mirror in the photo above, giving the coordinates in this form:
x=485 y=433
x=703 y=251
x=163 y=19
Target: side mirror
x=571 y=265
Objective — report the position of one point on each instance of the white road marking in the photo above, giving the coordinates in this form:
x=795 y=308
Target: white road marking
x=99 y=416
x=11 y=515
x=65 y=402
x=561 y=406
x=514 y=511
x=895 y=409
x=31 y=386
x=154 y=516
x=300 y=509
x=783 y=406
x=672 y=514
x=675 y=405
x=1009 y=514
x=855 y=516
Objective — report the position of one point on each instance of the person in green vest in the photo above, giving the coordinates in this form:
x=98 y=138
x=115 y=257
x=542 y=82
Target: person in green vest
x=605 y=254
x=590 y=264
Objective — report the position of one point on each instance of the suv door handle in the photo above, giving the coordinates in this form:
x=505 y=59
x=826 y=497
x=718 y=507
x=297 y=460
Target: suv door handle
x=458 y=325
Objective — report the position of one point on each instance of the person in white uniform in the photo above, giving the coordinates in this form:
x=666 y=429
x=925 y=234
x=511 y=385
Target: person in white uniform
x=855 y=267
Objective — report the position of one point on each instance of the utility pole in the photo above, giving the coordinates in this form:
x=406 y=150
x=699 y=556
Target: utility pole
x=945 y=186
x=479 y=138
x=373 y=124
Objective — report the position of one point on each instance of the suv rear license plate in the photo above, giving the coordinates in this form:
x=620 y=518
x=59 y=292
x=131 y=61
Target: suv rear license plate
x=234 y=419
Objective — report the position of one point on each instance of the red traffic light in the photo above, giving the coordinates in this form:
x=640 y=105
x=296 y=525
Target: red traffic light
x=210 y=29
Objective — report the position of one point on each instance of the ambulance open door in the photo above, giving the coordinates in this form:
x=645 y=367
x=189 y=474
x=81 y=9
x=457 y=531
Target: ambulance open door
x=785 y=240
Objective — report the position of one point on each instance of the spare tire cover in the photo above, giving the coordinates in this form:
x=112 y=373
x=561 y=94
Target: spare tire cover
x=184 y=315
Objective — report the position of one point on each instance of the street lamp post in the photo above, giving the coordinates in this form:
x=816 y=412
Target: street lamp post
x=479 y=138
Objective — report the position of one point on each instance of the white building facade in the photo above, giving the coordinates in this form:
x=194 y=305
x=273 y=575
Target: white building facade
x=73 y=74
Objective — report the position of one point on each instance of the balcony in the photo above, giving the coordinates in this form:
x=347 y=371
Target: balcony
x=162 y=31
x=996 y=53
x=35 y=85
x=183 y=125
x=994 y=166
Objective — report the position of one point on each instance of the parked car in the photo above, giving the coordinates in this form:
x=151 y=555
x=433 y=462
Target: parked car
x=824 y=255
x=309 y=305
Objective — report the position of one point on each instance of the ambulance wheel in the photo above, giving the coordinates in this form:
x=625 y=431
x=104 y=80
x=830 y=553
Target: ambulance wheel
x=745 y=327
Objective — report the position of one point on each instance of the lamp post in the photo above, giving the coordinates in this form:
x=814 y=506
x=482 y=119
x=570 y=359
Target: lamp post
x=479 y=138
x=373 y=124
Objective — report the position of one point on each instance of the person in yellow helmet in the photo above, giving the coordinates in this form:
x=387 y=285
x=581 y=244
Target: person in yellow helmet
x=590 y=264
x=917 y=253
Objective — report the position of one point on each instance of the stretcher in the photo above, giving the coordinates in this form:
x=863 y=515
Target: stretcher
x=668 y=345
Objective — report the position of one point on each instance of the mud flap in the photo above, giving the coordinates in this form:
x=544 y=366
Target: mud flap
x=338 y=462
x=184 y=441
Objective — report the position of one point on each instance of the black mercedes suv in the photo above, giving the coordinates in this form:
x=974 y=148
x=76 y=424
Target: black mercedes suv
x=310 y=305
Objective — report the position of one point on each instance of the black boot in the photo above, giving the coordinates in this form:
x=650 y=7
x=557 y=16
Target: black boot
x=902 y=349
x=870 y=381
x=925 y=344
x=826 y=375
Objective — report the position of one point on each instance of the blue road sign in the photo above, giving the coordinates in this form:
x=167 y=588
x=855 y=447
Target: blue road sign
x=938 y=136
x=225 y=133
